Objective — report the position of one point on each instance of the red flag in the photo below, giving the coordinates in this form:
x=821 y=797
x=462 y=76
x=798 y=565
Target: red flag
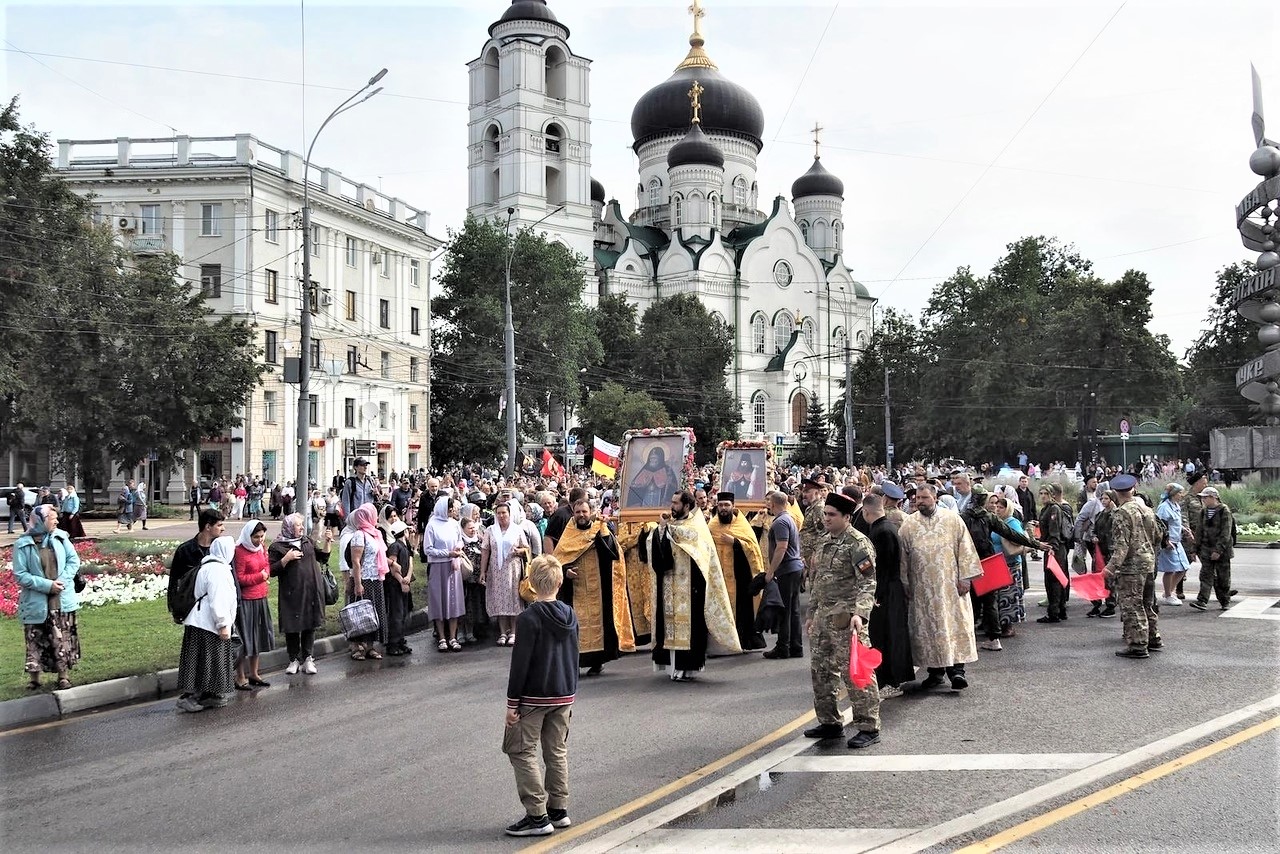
x=863 y=661
x=1091 y=586
x=550 y=466
x=995 y=574
x=1051 y=563
x=1098 y=561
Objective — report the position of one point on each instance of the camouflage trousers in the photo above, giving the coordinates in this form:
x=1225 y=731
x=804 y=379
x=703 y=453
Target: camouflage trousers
x=829 y=667
x=1136 y=597
x=1215 y=580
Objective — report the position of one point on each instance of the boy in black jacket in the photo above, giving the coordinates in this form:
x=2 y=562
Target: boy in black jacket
x=540 y=692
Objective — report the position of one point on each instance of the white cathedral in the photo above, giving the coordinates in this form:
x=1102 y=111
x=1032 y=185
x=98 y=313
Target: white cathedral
x=775 y=272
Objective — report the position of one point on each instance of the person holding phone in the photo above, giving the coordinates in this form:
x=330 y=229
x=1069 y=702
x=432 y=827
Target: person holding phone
x=296 y=560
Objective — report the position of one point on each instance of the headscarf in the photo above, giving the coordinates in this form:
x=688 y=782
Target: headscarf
x=291 y=529
x=443 y=532
x=507 y=540
x=469 y=511
x=221 y=550
x=365 y=519
x=246 y=536
x=37 y=526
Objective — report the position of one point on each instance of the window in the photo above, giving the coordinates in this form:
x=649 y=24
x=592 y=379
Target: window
x=382 y=415
x=415 y=320
x=739 y=190
x=270 y=347
x=384 y=263
x=149 y=220
x=413 y=369
x=211 y=220
x=353 y=360
x=351 y=251
x=491 y=67
x=655 y=192
x=804 y=232
x=313 y=410
x=384 y=313
x=860 y=340
x=677 y=206
x=809 y=330
x=838 y=337
x=758 y=333
x=315 y=354
x=799 y=411
x=211 y=281
x=757 y=412
x=413 y=417
x=272 y=286
x=349 y=412
x=269 y=403
x=783 y=325
x=715 y=209
x=271 y=225
x=413 y=273
x=384 y=365
x=315 y=240
x=556 y=77
x=350 y=305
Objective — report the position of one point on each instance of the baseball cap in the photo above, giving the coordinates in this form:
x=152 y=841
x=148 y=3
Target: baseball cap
x=360 y=461
x=1208 y=491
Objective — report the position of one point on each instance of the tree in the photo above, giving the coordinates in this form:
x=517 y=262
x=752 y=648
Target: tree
x=897 y=342
x=613 y=409
x=615 y=323
x=687 y=353
x=130 y=361
x=815 y=435
x=554 y=333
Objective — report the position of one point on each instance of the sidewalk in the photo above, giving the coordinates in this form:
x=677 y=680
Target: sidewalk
x=157 y=529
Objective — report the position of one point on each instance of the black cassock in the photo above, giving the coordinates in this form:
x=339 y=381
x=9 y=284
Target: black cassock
x=744 y=612
x=606 y=549
x=664 y=564
x=888 y=626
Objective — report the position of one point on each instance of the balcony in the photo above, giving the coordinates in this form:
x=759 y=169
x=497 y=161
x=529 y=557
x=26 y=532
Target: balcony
x=147 y=244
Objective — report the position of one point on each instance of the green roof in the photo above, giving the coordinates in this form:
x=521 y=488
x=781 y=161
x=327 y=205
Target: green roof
x=779 y=361
x=607 y=258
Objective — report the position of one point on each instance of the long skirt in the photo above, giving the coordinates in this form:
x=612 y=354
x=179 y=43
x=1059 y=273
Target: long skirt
x=373 y=591
x=444 y=591
x=70 y=522
x=1009 y=599
x=253 y=624
x=54 y=645
x=477 y=616
x=206 y=663
x=399 y=604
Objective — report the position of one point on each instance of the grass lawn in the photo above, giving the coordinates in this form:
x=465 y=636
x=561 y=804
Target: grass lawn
x=141 y=637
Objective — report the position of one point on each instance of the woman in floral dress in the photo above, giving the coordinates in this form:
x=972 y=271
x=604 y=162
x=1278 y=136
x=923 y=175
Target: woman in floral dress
x=45 y=565
x=506 y=548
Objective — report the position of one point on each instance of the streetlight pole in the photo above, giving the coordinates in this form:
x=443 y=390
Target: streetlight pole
x=888 y=432
x=302 y=482
x=509 y=342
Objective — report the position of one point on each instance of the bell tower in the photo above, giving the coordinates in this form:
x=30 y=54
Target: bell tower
x=529 y=131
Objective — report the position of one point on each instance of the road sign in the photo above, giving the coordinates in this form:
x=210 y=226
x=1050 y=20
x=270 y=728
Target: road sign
x=1124 y=425
x=889 y=449
x=1124 y=436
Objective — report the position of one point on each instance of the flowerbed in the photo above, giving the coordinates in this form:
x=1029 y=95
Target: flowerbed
x=135 y=571
x=1254 y=532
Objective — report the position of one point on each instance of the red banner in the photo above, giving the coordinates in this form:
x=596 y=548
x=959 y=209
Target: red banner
x=995 y=574
x=1091 y=586
x=1051 y=564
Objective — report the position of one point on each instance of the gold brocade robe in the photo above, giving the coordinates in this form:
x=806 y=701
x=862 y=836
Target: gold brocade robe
x=937 y=553
x=693 y=551
x=639 y=591
x=744 y=535
x=578 y=547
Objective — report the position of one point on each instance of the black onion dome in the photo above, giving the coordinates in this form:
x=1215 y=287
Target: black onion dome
x=528 y=10
x=817 y=182
x=597 y=191
x=696 y=147
x=726 y=107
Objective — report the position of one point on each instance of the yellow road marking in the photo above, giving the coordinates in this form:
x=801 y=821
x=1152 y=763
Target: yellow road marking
x=1039 y=823
x=565 y=836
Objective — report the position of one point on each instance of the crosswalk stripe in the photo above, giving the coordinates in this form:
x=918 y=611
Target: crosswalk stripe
x=942 y=762
x=1251 y=608
x=765 y=840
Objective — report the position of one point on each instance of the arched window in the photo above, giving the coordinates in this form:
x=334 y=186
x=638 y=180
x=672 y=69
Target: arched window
x=717 y=316
x=758 y=325
x=557 y=66
x=755 y=193
x=491 y=158
x=809 y=331
x=838 y=337
x=839 y=236
x=860 y=340
x=491 y=75
x=715 y=210
x=677 y=209
x=740 y=190
x=783 y=325
x=655 y=192
x=554 y=141
x=820 y=239
x=799 y=411
x=804 y=231
x=757 y=411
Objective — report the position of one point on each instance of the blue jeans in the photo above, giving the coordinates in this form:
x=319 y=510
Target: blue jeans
x=20 y=514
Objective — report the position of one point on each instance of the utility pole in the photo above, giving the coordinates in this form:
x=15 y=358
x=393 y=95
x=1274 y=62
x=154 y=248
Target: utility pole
x=888 y=428
x=849 y=435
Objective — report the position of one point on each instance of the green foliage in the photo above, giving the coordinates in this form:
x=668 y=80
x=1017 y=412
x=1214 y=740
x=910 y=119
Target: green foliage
x=616 y=326
x=555 y=336
x=899 y=343
x=613 y=409
x=135 y=362
x=815 y=437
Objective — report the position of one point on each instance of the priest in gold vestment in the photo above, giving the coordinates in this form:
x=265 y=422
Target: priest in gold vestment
x=738 y=548
x=595 y=586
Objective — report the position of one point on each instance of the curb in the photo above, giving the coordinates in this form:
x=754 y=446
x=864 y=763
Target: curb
x=128 y=690
x=1275 y=545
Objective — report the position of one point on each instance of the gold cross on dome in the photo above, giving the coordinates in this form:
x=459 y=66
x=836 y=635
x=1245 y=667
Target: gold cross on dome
x=695 y=98
x=817 y=132
x=698 y=12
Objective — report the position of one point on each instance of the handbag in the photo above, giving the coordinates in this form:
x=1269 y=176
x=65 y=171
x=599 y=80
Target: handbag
x=466 y=568
x=330 y=587
x=358 y=618
x=80 y=582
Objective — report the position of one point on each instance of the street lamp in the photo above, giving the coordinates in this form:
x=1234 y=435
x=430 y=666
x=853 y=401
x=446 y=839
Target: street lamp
x=509 y=342
x=302 y=482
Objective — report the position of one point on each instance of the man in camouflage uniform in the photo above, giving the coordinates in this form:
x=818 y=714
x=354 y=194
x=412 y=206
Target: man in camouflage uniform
x=840 y=603
x=1215 y=541
x=1192 y=513
x=812 y=493
x=1132 y=569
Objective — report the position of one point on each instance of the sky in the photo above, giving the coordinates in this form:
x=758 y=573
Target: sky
x=957 y=127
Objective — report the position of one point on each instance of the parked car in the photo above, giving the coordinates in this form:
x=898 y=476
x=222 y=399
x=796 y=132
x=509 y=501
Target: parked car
x=29 y=499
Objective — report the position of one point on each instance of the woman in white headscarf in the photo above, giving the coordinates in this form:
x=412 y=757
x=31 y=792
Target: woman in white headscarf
x=253 y=610
x=503 y=556
x=207 y=663
x=140 y=505
x=442 y=543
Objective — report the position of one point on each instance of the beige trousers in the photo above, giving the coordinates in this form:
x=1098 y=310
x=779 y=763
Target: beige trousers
x=550 y=728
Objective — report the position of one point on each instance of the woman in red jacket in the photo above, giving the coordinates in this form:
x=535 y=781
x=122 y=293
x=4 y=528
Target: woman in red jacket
x=253 y=616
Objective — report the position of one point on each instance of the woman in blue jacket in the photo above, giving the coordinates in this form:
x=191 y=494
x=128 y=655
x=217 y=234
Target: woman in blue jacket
x=45 y=565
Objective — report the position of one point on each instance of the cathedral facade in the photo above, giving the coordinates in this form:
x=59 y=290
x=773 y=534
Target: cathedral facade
x=773 y=270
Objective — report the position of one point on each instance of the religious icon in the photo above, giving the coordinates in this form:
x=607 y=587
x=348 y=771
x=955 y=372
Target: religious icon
x=746 y=470
x=653 y=483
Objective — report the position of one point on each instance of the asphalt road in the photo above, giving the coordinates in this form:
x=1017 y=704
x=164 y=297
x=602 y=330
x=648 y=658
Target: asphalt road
x=403 y=755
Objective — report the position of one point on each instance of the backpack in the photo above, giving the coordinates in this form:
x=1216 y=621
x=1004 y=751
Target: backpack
x=182 y=595
x=1066 y=525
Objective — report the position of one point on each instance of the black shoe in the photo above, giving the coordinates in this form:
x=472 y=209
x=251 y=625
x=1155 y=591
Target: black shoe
x=1108 y=613
x=933 y=680
x=594 y=671
x=531 y=826
x=1062 y=616
x=797 y=653
x=776 y=653
x=865 y=738
x=1096 y=611
x=1133 y=652
x=958 y=682
x=395 y=651
x=1155 y=644
x=1047 y=620
x=825 y=731
x=1198 y=605
x=1231 y=594
x=559 y=818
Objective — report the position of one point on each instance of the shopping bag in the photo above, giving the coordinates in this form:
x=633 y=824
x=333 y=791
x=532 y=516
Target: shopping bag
x=995 y=574
x=358 y=618
x=1051 y=564
x=863 y=661
x=1091 y=586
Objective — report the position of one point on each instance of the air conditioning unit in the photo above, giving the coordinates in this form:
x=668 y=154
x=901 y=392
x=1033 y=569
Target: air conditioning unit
x=331 y=433
x=326 y=298
x=127 y=223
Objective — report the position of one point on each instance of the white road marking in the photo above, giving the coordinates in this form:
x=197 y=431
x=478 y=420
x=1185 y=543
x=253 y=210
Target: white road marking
x=765 y=841
x=873 y=763
x=1251 y=608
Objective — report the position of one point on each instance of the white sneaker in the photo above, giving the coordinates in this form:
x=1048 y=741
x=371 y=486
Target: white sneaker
x=992 y=645
x=292 y=668
x=1170 y=600
x=309 y=666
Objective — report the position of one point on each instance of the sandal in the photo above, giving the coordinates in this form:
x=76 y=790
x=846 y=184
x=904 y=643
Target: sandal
x=502 y=640
x=443 y=646
x=243 y=686
x=357 y=655
x=33 y=686
x=373 y=653
x=454 y=645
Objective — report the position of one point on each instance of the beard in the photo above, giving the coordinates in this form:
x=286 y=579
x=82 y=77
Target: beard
x=680 y=514
x=725 y=518
x=928 y=511
x=583 y=524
